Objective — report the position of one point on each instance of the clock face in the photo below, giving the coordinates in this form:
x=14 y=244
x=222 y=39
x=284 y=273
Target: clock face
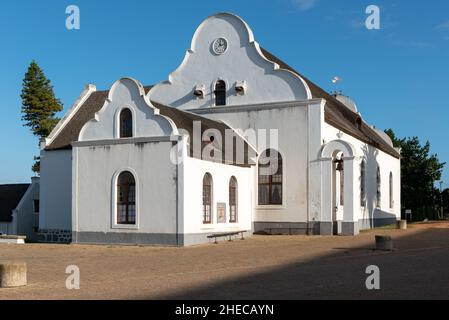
x=220 y=46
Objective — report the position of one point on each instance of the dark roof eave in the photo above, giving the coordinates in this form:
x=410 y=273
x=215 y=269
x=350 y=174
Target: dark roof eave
x=67 y=147
x=10 y=197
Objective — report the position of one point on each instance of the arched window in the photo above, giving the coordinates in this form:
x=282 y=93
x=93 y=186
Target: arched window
x=126 y=198
x=270 y=178
x=379 y=194
x=220 y=93
x=391 y=191
x=363 y=184
x=207 y=198
x=233 y=191
x=126 y=124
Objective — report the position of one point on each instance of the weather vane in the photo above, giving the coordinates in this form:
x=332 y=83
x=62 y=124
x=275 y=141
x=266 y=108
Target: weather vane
x=336 y=80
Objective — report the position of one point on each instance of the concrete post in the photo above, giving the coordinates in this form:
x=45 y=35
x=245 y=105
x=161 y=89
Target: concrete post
x=13 y=274
x=402 y=224
x=384 y=243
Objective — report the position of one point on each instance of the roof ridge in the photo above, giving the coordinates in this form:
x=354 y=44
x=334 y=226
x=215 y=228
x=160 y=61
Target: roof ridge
x=107 y=90
x=336 y=106
x=288 y=67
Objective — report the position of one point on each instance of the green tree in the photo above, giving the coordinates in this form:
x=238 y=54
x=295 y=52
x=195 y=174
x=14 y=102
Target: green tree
x=419 y=171
x=396 y=142
x=445 y=198
x=39 y=104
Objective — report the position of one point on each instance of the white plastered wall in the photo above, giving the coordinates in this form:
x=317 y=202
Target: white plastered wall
x=292 y=124
x=194 y=172
x=7 y=227
x=373 y=158
x=100 y=156
x=24 y=215
x=97 y=169
x=56 y=190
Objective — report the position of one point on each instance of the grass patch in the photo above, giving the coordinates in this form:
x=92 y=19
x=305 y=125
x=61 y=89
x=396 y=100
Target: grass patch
x=387 y=227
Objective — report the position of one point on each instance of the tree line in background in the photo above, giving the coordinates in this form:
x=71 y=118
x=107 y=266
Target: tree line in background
x=419 y=168
x=420 y=171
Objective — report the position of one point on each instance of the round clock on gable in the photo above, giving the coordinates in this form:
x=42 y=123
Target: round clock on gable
x=220 y=46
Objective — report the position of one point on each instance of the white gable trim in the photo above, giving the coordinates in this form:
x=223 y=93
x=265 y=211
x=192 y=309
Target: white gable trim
x=144 y=97
x=340 y=145
x=109 y=100
x=277 y=67
x=88 y=90
x=251 y=41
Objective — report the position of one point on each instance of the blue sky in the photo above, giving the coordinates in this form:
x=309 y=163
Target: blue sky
x=398 y=75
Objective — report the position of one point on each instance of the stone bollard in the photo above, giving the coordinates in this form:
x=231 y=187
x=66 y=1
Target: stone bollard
x=13 y=274
x=402 y=224
x=384 y=243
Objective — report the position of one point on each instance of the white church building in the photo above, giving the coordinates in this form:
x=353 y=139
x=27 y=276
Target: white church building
x=234 y=140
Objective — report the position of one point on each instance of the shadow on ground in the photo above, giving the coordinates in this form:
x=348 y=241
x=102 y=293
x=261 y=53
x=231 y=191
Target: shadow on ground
x=417 y=269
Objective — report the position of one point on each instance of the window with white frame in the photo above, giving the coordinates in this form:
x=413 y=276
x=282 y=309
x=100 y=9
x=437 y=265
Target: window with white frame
x=233 y=191
x=126 y=199
x=220 y=93
x=207 y=198
x=126 y=123
x=270 y=178
x=379 y=192
x=363 y=184
x=391 y=191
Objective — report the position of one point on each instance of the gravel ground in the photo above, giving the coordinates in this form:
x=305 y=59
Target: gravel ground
x=262 y=267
